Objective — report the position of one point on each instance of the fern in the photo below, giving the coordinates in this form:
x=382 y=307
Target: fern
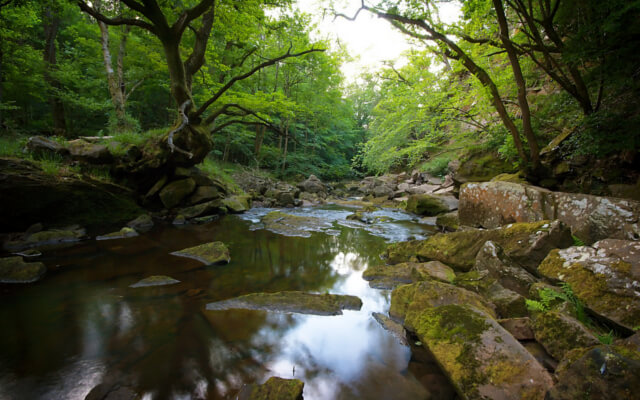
x=548 y=296
x=577 y=241
x=606 y=338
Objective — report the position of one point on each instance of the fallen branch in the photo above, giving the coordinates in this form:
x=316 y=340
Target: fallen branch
x=185 y=122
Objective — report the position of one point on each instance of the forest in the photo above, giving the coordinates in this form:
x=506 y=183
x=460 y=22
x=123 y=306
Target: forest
x=198 y=200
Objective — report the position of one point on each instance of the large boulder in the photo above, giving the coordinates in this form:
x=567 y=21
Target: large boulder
x=480 y=168
x=604 y=277
x=172 y=194
x=312 y=185
x=237 y=204
x=430 y=205
x=29 y=195
x=600 y=372
x=526 y=243
x=205 y=193
x=15 y=270
x=591 y=218
x=480 y=358
x=378 y=186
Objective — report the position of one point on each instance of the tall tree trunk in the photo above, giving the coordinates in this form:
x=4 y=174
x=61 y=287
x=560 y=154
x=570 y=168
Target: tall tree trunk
x=534 y=151
x=113 y=80
x=1 y=84
x=51 y=23
x=286 y=145
x=257 y=145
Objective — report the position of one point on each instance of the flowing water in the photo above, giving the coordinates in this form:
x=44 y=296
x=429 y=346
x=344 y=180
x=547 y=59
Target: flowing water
x=82 y=324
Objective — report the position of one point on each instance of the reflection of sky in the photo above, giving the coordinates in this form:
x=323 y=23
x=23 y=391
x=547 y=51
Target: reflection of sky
x=326 y=352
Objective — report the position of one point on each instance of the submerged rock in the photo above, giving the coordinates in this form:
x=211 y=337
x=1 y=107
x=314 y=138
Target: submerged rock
x=601 y=372
x=274 y=388
x=526 y=243
x=123 y=233
x=293 y=225
x=49 y=238
x=390 y=276
x=291 y=302
x=604 y=277
x=15 y=270
x=208 y=253
x=591 y=218
x=560 y=333
x=155 y=280
x=396 y=329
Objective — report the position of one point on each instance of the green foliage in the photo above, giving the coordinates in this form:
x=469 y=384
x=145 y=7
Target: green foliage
x=437 y=166
x=221 y=171
x=549 y=296
x=606 y=338
x=577 y=241
x=11 y=145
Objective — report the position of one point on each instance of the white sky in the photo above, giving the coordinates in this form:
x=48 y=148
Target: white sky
x=368 y=39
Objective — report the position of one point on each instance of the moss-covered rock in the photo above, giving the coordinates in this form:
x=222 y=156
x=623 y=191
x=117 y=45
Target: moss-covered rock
x=480 y=358
x=525 y=243
x=123 y=233
x=46 y=239
x=213 y=206
x=209 y=253
x=274 y=388
x=482 y=167
x=205 y=193
x=390 y=276
x=448 y=221
x=15 y=270
x=559 y=333
x=508 y=303
x=237 y=204
x=175 y=192
x=601 y=372
x=291 y=302
x=424 y=204
x=396 y=329
x=155 y=280
x=142 y=223
x=89 y=152
x=605 y=282
x=408 y=300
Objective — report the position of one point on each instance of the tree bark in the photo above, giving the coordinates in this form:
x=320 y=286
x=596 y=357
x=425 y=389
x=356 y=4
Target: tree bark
x=51 y=24
x=260 y=130
x=534 y=150
x=286 y=146
x=114 y=81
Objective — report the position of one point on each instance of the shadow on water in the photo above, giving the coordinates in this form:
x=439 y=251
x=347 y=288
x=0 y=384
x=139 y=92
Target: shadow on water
x=82 y=324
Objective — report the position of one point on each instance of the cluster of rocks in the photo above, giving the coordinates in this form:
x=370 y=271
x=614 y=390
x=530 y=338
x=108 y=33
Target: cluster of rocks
x=524 y=309
x=266 y=192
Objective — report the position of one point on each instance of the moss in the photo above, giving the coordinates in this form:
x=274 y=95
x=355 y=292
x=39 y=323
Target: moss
x=293 y=225
x=277 y=389
x=208 y=253
x=155 y=280
x=424 y=204
x=14 y=270
x=559 y=334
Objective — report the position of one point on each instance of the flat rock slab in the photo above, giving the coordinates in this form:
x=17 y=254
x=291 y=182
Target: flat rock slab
x=47 y=239
x=209 y=253
x=390 y=276
x=155 y=280
x=291 y=302
x=559 y=333
x=293 y=225
x=14 y=270
x=274 y=388
x=123 y=233
x=396 y=329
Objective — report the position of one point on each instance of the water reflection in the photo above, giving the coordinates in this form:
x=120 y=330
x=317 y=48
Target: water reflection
x=82 y=325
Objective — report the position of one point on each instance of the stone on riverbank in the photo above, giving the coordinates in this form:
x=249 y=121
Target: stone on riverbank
x=604 y=277
x=212 y=253
x=396 y=329
x=49 y=238
x=15 y=270
x=274 y=388
x=291 y=302
x=155 y=280
x=601 y=372
x=526 y=243
x=491 y=258
x=448 y=222
x=237 y=204
x=591 y=218
x=172 y=194
x=142 y=223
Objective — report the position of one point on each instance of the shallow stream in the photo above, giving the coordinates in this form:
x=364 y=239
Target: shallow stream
x=82 y=324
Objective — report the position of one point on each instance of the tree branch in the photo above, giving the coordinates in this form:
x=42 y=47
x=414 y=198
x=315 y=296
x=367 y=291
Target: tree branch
x=240 y=77
x=185 y=122
x=115 y=21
